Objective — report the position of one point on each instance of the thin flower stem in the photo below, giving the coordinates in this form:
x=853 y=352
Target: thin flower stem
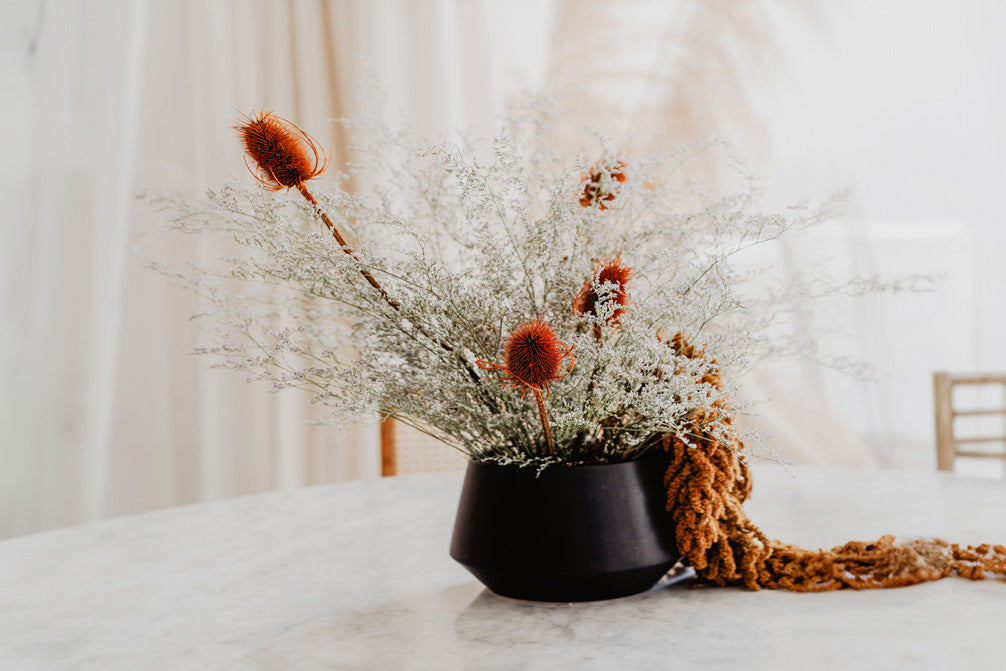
x=544 y=421
x=598 y=337
x=345 y=246
x=513 y=241
x=384 y=294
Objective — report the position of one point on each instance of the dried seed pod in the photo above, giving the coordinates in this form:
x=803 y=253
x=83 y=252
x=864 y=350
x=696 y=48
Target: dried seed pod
x=284 y=155
x=532 y=358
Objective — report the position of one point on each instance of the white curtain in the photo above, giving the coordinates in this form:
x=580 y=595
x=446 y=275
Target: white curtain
x=103 y=411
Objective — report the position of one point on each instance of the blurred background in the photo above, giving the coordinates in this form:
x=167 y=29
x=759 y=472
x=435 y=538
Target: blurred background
x=102 y=410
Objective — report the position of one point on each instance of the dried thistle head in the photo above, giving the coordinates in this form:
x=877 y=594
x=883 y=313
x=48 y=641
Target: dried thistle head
x=532 y=357
x=609 y=272
x=601 y=183
x=284 y=155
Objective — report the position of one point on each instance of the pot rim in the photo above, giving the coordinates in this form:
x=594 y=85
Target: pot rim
x=650 y=454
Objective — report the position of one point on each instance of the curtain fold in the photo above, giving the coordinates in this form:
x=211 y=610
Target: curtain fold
x=103 y=411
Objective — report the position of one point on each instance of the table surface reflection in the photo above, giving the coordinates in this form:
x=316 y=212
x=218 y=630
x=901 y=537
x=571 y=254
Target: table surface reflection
x=357 y=576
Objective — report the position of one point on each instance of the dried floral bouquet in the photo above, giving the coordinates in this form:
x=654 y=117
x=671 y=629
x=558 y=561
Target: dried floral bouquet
x=529 y=308
x=519 y=310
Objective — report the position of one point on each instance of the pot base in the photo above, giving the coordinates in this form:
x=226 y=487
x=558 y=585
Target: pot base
x=572 y=588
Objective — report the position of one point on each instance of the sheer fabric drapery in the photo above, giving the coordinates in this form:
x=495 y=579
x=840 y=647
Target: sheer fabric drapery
x=103 y=412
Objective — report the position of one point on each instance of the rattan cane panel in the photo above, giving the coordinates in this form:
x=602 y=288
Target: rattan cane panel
x=415 y=452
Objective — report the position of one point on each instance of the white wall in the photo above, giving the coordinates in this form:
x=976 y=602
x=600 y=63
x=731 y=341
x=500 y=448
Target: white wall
x=905 y=101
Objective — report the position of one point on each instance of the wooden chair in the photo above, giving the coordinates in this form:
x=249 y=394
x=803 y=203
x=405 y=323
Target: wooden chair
x=407 y=450
x=948 y=441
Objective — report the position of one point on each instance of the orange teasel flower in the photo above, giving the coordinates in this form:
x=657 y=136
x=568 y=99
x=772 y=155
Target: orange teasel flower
x=532 y=358
x=609 y=272
x=284 y=155
x=597 y=189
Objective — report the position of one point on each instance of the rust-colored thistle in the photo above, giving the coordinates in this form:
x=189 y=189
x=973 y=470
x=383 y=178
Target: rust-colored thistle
x=532 y=358
x=614 y=272
x=285 y=157
x=597 y=190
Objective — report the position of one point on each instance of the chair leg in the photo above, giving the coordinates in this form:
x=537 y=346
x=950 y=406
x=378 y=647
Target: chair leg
x=389 y=453
x=943 y=404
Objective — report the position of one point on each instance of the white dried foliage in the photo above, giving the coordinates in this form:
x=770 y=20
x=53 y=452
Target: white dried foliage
x=473 y=248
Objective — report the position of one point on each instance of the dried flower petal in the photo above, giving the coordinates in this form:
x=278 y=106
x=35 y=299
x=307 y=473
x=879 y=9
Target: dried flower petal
x=284 y=155
x=610 y=272
x=601 y=183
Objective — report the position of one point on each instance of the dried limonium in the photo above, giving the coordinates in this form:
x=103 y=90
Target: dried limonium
x=455 y=251
x=532 y=358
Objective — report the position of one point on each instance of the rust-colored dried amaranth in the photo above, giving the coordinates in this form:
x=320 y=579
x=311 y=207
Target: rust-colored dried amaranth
x=707 y=485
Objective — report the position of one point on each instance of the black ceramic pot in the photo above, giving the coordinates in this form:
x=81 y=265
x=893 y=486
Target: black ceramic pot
x=570 y=533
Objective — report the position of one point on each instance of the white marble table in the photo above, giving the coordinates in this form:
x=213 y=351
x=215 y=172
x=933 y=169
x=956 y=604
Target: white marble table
x=357 y=576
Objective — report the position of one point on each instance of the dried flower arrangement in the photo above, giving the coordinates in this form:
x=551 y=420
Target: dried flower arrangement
x=588 y=282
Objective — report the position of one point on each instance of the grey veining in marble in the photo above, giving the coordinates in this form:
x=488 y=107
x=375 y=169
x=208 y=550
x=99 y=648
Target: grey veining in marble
x=357 y=576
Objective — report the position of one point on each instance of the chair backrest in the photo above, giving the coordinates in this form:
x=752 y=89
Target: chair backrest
x=949 y=443
x=408 y=450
